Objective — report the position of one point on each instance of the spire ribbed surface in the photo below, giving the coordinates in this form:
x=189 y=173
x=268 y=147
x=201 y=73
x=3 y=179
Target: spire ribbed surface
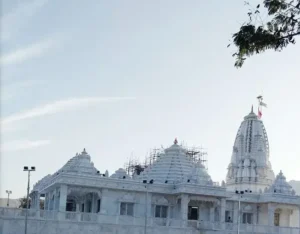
x=250 y=166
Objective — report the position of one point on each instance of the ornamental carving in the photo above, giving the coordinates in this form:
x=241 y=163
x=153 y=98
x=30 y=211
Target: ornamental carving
x=248 y=209
x=128 y=197
x=81 y=191
x=160 y=200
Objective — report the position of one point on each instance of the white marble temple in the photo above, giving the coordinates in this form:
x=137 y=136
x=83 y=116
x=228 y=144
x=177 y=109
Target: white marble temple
x=173 y=195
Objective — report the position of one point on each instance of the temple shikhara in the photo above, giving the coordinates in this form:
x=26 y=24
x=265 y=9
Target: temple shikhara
x=172 y=194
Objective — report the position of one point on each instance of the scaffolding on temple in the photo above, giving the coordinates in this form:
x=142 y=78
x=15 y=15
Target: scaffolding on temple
x=134 y=166
x=197 y=154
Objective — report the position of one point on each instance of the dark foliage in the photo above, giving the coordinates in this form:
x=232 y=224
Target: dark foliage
x=275 y=34
x=23 y=203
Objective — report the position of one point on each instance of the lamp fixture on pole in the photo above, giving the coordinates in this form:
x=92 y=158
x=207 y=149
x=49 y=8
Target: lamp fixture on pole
x=8 y=193
x=28 y=169
x=146 y=203
x=240 y=193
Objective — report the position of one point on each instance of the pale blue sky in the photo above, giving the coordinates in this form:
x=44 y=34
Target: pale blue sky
x=121 y=77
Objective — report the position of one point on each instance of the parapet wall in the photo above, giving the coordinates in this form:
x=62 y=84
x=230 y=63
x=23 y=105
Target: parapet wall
x=16 y=226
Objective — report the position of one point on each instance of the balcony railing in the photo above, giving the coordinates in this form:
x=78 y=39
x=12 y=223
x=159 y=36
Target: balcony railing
x=140 y=221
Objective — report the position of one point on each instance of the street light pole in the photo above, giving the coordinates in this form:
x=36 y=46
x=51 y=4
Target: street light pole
x=146 y=204
x=240 y=193
x=239 y=216
x=146 y=210
x=8 y=193
x=26 y=168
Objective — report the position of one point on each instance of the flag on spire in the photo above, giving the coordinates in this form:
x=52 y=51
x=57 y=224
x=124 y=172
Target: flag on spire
x=260 y=105
x=263 y=104
x=259 y=113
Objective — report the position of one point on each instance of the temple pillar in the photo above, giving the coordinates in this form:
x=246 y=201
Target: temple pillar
x=32 y=200
x=37 y=204
x=104 y=202
x=168 y=215
x=184 y=209
x=149 y=205
x=270 y=215
x=78 y=213
x=45 y=202
x=94 y=203
x=236 y=213
x=212 y=214
x=222 y=212
x=63 y=200
x=53 y=201
x=48 y=201
x=77 y=206
x=255 y=213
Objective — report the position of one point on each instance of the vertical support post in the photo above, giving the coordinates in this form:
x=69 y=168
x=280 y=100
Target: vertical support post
x=104 y=201
x=184 y=209
x=235 y=213
x=239 y=215
x=78 y=214
x=146 y=210
x=55 y=203
x=37 y=204
x=77 y=207
x=212 y=214
x=168 y=215
x=255 y=214
x=222 y=211
x=63 y=200
x=270 y=215
x=49 y=201
x=37 y=201
x=27 y=202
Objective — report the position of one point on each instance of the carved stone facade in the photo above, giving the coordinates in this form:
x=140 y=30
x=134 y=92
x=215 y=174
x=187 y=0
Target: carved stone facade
x=173 y=195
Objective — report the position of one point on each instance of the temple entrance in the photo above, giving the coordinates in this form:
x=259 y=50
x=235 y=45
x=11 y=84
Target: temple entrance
x=71 y=206
x=193 y=213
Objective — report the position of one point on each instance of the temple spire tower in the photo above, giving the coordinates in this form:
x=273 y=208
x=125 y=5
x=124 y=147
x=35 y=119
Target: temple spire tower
x=250 y=167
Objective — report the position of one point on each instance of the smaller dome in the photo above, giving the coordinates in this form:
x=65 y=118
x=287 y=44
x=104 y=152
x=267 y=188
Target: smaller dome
x=281 y=186
x=80 y=163
x=120 y=174
x=199 y=175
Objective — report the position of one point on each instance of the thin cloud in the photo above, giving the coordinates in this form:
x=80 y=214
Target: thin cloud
x=23 y=145
x=29 y=52
x=14 y=20
x=60 y=106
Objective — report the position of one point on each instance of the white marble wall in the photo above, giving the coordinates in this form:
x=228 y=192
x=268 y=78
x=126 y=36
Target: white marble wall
x=15 y=226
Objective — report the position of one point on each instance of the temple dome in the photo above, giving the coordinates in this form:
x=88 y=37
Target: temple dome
x=120 y=174
x=80 y=163
x=281 y=186
x=200 y=175
x=250 y=166
x=173 y=166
